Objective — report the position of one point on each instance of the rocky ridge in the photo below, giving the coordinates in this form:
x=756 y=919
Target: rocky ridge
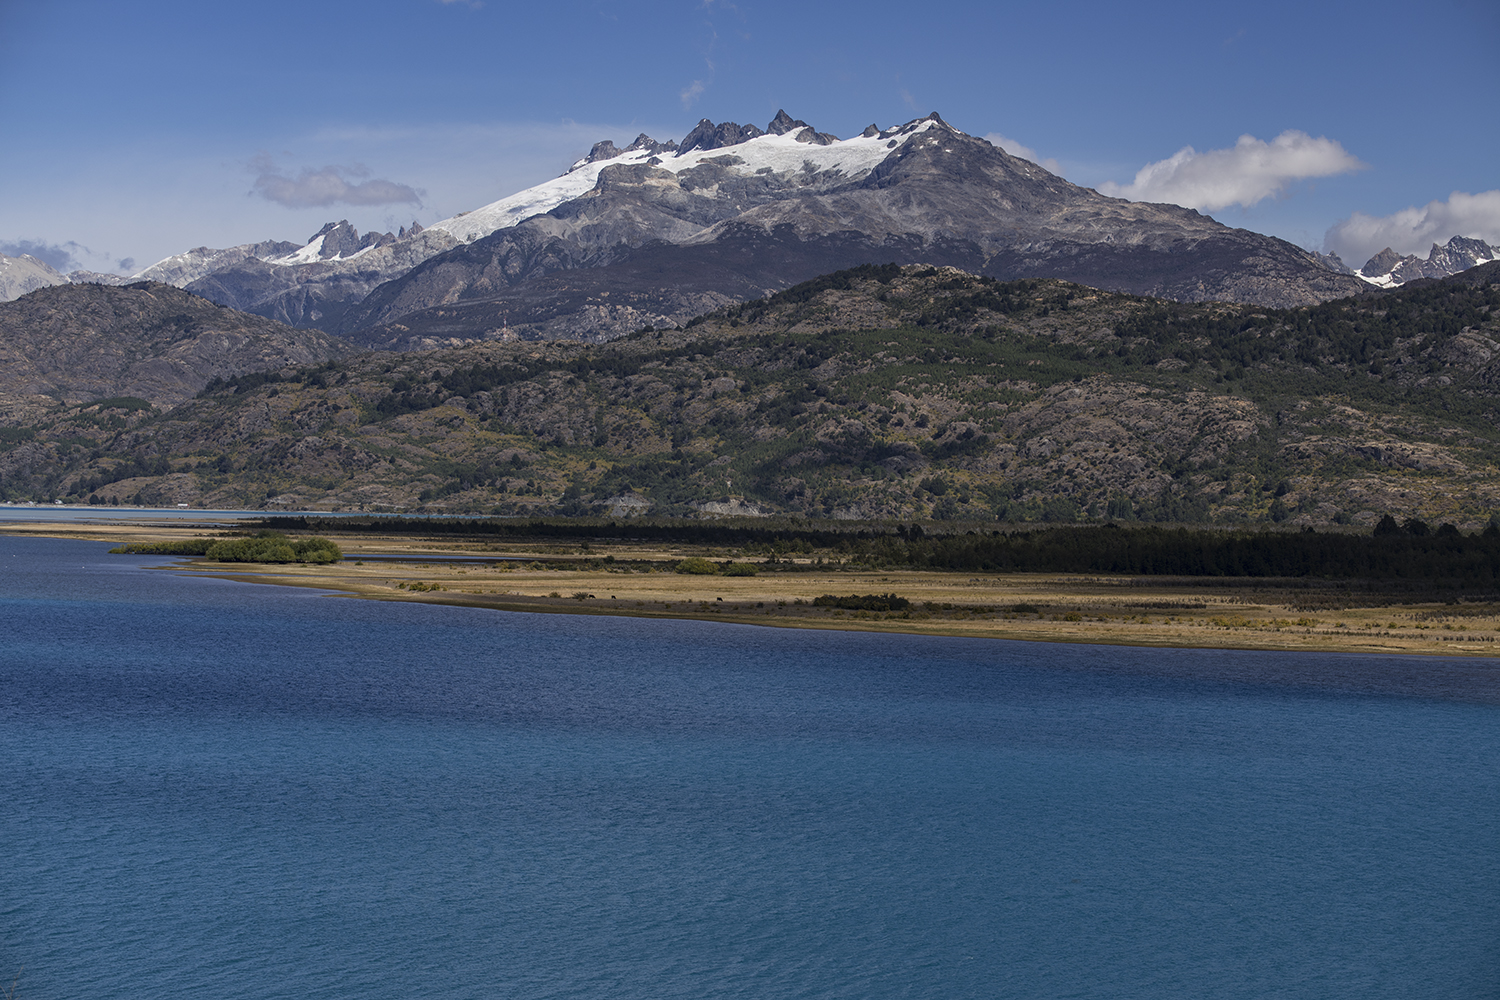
x=75 y=343
x=900 y=392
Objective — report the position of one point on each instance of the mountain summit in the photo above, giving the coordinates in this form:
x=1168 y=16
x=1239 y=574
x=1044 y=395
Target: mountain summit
x=660 y=231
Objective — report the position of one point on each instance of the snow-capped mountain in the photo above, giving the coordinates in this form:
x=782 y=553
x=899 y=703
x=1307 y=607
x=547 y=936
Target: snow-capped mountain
x=1387 y=269
x=184 y=268
x=786 y=149
x=657 y=231
x=311 y=284
x=314 y=283
x=19 y=275
x=735 y=212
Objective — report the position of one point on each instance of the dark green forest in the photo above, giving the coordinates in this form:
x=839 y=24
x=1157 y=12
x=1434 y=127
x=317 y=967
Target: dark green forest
x=1411 y=554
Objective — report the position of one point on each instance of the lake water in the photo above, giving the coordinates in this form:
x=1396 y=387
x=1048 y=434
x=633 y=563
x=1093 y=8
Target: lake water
x=223 y=790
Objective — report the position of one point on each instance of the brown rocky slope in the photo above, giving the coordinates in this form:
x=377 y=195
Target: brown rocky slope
x=154 y=342
x=879 y=392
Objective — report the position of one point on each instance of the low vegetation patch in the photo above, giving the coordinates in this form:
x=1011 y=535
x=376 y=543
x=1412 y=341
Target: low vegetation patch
x=263 y=547
x=181 y=547
x=863 y=602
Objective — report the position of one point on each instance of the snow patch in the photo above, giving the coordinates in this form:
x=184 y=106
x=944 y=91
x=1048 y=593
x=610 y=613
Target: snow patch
x=783 y=154
x=307 y=255
x=1379 y=281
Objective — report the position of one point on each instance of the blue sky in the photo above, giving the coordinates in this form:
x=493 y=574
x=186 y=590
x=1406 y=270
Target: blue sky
x=132 y=131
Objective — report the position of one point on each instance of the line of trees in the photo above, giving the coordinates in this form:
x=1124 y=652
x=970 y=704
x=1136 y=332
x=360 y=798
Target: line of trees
x=1411 y=552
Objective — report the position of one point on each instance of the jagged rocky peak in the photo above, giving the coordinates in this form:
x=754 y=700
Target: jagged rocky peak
x=784 y=123
x=915 y=124
x=707 y=135
x=1461 y=253
x=409 y=231
x=1382 y=263
x=605 y=149
x=650 y=145
x=340 y=239
x=1332 y=262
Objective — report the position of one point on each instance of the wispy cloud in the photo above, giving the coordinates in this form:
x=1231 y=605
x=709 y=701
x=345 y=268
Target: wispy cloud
x=1014 y=148
x=1413 y=230
x=329 y=185
x=1248 y=172
x=690 y=93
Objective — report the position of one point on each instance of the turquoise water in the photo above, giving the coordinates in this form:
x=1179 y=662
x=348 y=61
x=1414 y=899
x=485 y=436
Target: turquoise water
x=222 y=790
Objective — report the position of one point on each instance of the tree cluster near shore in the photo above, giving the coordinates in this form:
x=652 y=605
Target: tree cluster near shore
x=264 y=547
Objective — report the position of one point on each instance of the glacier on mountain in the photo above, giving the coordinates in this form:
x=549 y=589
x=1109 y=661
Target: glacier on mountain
x=782 y=154
x=357 y=264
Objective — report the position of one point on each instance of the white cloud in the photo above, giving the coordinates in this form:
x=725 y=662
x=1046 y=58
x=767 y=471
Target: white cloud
x=1247 y=172
x=328 y=186
x=1414 y=230
x=1014 y=148
x=69 y=256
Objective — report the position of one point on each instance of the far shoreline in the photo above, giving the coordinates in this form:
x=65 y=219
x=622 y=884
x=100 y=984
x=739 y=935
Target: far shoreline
x=1093 y=610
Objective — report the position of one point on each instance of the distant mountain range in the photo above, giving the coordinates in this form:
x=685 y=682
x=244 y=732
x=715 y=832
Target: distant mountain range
x=658 y=232
x=1388 y=269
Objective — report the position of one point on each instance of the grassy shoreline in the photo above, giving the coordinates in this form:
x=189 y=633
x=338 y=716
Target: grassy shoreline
x=637 y=580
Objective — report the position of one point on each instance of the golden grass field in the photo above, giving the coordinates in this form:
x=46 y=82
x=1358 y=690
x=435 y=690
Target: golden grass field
x=640 y=581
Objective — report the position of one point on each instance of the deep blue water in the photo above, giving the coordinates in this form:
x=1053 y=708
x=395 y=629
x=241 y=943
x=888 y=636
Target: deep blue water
x=223 y=790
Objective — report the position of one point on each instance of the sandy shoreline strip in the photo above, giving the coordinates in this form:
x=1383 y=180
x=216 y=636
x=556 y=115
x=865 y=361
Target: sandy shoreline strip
x=638 y=581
